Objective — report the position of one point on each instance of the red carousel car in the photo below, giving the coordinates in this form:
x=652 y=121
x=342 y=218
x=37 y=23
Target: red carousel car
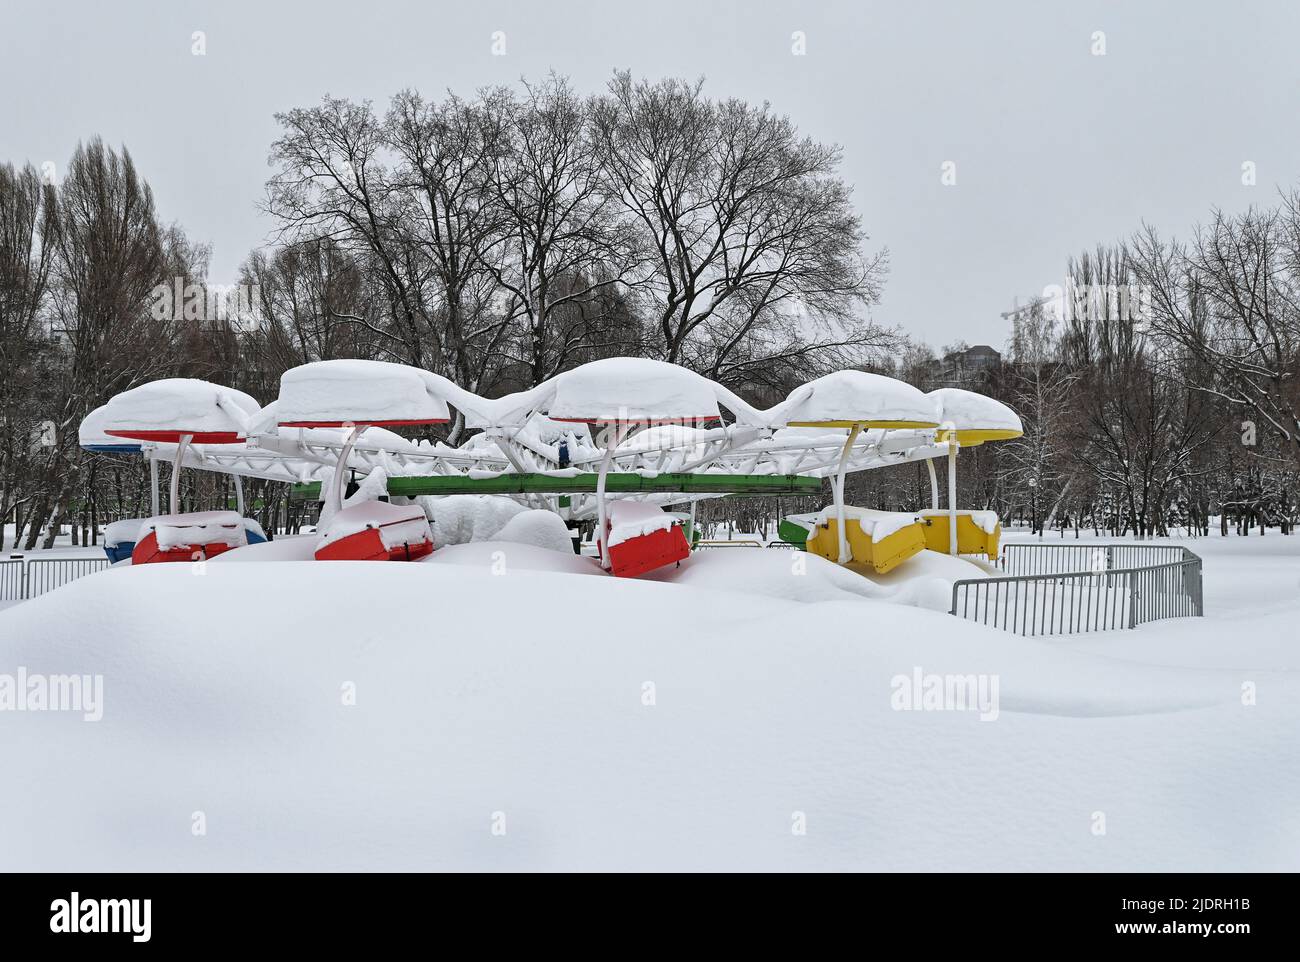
x=353 y=395
x=183 y=411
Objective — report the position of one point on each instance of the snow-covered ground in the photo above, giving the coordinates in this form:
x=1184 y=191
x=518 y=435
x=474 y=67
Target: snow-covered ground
x=497 y=708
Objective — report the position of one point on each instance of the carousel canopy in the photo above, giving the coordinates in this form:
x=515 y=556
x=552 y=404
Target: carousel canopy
x=846 y=398
x=92 y=437
x=633 y=390
x=335 y=393
x=172 y=408
x=974 y=418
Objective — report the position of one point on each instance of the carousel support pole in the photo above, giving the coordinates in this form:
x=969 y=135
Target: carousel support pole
x=174 y=493
x=341 y=467
x=952 y=494
x=239 y=494
x=614 y=435
x=838 y=491
x=153 y=484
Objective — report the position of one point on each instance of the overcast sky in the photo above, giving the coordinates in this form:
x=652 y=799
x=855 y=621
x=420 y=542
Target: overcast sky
x=1055 y=148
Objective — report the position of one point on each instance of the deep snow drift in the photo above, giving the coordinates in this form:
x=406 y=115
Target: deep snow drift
x=688 y=723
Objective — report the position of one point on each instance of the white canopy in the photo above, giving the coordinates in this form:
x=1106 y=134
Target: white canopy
x=633 y=389
x=333 y=393
x=845 y=398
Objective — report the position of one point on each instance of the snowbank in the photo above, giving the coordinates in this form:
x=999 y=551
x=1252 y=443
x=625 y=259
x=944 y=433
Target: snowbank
x=462 y=518
x=924 y=581
x=541 y=529
x=300 y=547
x=505 y=557
x=388 y=716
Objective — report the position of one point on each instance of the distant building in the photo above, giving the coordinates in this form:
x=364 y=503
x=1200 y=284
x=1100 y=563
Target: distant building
x=964 y=368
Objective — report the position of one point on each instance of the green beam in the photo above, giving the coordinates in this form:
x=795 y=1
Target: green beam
x=443 y=484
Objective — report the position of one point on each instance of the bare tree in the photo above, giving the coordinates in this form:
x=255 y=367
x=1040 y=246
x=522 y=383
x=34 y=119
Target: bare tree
x=26 y=222
x=1231 y=298
x=109 y=257
x=1040 y=389
x=302 y=290
x=1136 y=431
x=562 y=242
x=757 y=250
x=333 y=182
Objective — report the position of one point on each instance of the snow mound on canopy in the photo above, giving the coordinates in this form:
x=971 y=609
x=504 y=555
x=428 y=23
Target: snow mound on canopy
x=541 y=529
x=633 y=389
x=856 y=396
x=462 y=518
x=523 y=692
x=966 y=410
x=357 y=391
x=90 y=433
x=179 y=403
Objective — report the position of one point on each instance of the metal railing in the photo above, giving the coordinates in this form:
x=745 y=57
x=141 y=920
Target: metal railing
x=1153 y=582
x=12 y=582
x=21 y=579
x=1038 y=558
x=716 y=543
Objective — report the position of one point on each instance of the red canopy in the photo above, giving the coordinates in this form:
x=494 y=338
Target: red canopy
x=361 y=422
x=174 y=436
x=651 y=422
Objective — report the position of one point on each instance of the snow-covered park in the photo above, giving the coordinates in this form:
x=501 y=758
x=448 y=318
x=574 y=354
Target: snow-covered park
x=579 y=443
x=506 y=706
